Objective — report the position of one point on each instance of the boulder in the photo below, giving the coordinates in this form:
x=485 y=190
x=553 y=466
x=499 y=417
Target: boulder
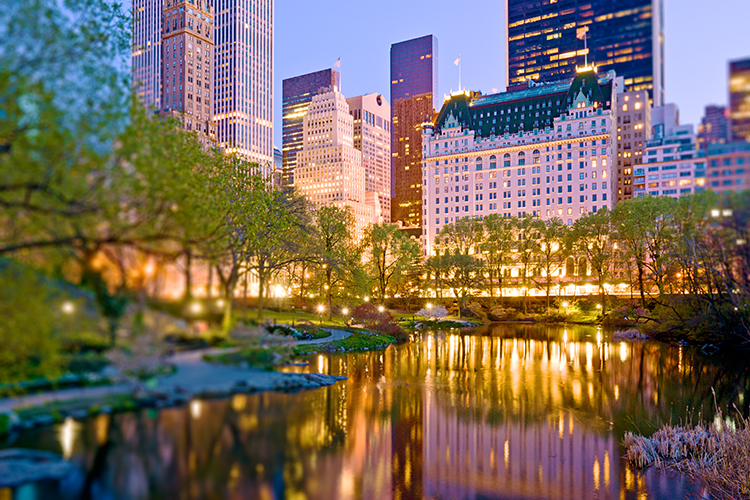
x=20 y=466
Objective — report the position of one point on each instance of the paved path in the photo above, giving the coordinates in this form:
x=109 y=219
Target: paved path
x=192 y=374
x=335 y=335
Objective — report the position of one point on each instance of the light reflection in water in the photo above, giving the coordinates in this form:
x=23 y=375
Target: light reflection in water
x=526 y=412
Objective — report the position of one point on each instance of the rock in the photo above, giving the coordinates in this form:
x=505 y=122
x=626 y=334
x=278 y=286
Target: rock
x=79 y=414
x=19 y=466
x=106 y=410
x=43 y=421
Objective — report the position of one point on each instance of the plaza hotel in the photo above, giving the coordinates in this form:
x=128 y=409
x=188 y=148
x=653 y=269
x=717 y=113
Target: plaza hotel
x=540 y=149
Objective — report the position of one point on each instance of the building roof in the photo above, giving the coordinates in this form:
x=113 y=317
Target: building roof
x=533 y=107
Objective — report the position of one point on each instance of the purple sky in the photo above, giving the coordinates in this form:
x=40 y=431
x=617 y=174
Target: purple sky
x=701 y=35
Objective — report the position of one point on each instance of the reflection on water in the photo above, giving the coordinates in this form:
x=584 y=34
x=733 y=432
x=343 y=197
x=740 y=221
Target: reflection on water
x=513 y=412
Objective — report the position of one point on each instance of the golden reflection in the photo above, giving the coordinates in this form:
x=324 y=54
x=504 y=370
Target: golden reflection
x=101 y=426
x=623 y=352
x=606 y=469
x=239 y=402
x=67 y=435
x=6 y=494
x=196 y=406
x=596 y=472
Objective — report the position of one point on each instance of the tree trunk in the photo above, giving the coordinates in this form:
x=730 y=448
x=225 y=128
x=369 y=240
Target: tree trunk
x=640 y=284
x=226 y=321
x=328 y=294
x=188 y=275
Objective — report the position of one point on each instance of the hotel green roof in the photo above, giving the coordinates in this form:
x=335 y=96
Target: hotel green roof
x=524 y=108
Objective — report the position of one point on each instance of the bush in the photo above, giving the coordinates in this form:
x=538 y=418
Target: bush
x=4 y=424
x=86 y=363
x=31 y=318
x=83 y=342
x=436 y=312
x=500 y=313
x=379 y=322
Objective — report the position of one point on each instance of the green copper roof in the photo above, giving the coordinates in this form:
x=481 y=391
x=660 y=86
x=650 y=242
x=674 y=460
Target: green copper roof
x=534 y=107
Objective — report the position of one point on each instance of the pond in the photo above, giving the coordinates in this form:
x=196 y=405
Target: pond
x=508 y=411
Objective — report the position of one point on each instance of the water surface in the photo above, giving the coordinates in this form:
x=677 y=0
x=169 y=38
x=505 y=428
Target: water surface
x=507 y=412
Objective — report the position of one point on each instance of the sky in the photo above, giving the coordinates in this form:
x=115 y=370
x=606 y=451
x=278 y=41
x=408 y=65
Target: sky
x=701 y=36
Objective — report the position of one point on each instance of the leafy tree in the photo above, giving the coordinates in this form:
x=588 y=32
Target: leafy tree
x=336 y=250
x=388 y=253
x=593 y=237
x=496 y=248
x=525 y=247
x=463 y=274
x=551 y=252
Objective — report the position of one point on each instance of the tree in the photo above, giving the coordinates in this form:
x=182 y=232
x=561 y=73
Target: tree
x=388 y=253
x=335 y=248
x=525 y=247
x=464 y=274
x=592 y=235
x=496 y=247
x=551 y=252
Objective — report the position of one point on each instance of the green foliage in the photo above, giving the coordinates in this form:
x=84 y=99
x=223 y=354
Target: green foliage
x=29 y=336
x=84 y=342
x=252 y=356
x=4 y=424
x=389 y=253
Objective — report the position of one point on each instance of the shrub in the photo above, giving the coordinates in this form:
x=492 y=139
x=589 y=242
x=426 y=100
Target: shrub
x=379 y=322
x=436 y=312
x=500 y=313
x=31 y=318
x=83 y=342
x=4 y=424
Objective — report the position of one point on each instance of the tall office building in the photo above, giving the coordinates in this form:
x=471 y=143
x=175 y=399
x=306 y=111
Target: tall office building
x=145 y=69
x=633 y=133
x=372 y=136
x=297 y=93
x=329 y=168
x=243 y=79
x=542 y=41
x=714 y=127
x=414 y=98
x=187 y=55
x=739 y=99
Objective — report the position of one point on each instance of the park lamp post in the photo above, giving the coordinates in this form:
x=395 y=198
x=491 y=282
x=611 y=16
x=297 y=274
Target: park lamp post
x=321 y=308
x=345 y=313
x=381 y=308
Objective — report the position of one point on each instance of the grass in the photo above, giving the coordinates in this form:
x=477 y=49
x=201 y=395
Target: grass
x=441 y=323
x=356 y=342
x=717 y=455
x=118 y=402
x=289 y=317
x=4 y=424
x=254 y=356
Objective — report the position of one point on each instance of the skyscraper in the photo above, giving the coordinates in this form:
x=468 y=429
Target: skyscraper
x=372 y=136
x=543 y=44
x=187 y=55
x=633 y=133
x=297 y=93
x=714 y=127
x=243 y=79
x=739 y=99
x=145 y=70
x=414 y=98
x=329 y=168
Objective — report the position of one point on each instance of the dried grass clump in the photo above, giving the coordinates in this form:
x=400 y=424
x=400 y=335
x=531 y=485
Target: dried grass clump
x=631 y=334
x=717 y=455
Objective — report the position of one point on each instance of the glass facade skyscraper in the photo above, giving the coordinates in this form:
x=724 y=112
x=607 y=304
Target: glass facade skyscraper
x=739 y=99
x=243 y=79
x=624 y=35
x=145 y=69
x=414 y=98
x=297 y=94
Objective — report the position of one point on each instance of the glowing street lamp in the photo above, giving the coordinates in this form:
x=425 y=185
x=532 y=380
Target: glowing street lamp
x=68 y=307
x=321 y=308
x=381 y=308
x=429 y=305
x=367 y=299
x=565 y=305
x=345 y=313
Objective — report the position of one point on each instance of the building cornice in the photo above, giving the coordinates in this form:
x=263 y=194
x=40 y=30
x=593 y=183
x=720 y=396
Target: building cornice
x=510 y=149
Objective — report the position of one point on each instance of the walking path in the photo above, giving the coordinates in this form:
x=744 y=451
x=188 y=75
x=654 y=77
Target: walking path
x=192 y=374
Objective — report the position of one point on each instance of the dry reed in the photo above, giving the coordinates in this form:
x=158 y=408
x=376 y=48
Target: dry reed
x=716 y=454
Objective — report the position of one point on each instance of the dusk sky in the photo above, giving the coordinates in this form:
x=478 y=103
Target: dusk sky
x=701 y=36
